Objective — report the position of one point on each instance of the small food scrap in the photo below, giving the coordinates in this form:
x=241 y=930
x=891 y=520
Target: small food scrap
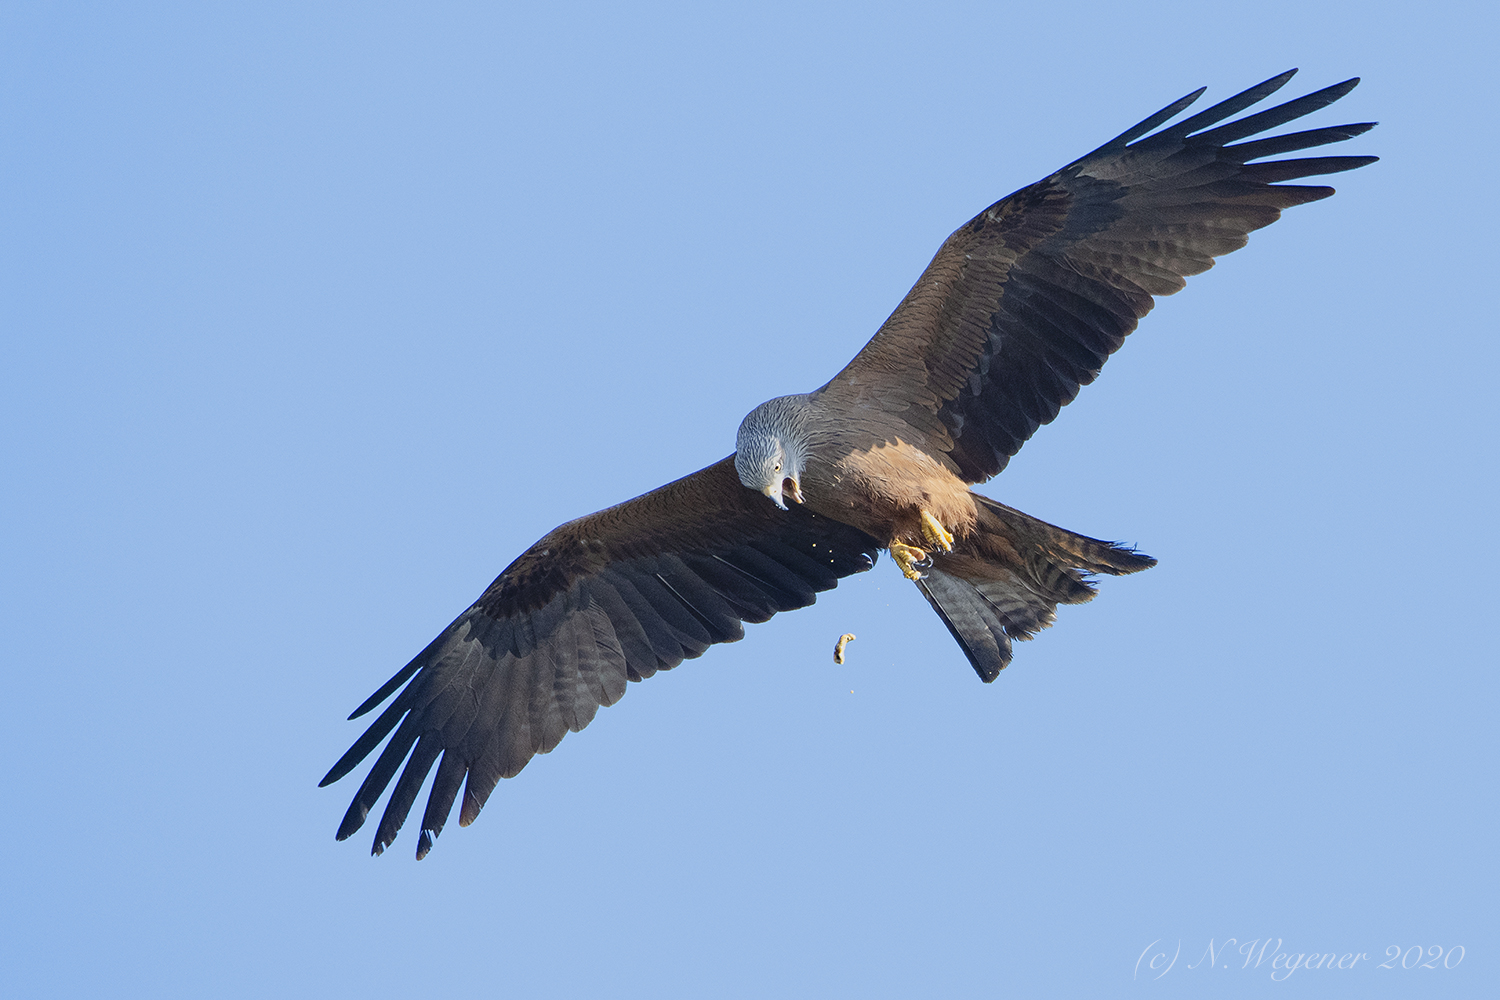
x=838 y=651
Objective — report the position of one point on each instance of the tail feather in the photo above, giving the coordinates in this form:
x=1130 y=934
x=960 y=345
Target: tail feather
x=1005 y=580
x=977 y=625
x=1080 y=552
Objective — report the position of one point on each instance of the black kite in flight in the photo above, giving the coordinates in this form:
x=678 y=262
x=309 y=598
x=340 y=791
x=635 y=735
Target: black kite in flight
x=1020 y=307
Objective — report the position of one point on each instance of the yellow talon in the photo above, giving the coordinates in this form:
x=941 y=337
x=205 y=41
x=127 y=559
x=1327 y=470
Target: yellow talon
x=938 y=536
x=909 y=557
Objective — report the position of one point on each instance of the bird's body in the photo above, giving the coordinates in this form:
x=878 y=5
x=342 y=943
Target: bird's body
x=866 y=467
x=1019 y=309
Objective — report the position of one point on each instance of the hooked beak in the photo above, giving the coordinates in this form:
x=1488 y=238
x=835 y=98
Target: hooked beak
x=777 y=491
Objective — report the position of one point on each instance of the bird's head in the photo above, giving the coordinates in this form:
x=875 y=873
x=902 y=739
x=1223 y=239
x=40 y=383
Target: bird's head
x=767 y=454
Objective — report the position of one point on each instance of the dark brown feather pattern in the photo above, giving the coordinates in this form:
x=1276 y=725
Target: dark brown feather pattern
x=603 y=600
x=1019 y=309
x=1023 y=304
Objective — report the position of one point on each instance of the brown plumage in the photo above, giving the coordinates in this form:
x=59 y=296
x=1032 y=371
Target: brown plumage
x=1018 y=310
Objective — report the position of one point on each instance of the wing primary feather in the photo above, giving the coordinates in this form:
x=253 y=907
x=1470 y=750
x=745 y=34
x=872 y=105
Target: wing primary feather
x=445 y=786
x=1311 y=166
x=379 y=777
x=1139 y=129
x=1229 y=106
x=484 y=775
x=405 y=673
x=1279 y=115
x=1298 y=194
x=429 y=745
x=371 y=738
x=1290 y=143
x=482 y=746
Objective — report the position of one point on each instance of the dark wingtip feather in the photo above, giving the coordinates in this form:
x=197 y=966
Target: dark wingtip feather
x=1312 y=166
x=1302 y=194
x=1227 y=107
x=353 y=820
x=1279 y=115
x=385 y=691
x=367 y=742
x=381 y=695
x=1256 y=149
x=381 y=842
x=402 y=676
x=1140 y=128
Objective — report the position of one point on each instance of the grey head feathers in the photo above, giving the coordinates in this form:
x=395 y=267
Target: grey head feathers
x=770 y=450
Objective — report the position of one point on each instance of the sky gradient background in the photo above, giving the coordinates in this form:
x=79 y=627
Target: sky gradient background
x=312 y=318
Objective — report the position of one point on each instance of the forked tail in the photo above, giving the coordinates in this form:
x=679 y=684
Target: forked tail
x=1005 y=580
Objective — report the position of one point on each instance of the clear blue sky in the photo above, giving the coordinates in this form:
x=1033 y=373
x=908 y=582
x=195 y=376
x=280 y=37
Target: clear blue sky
x=313 y=317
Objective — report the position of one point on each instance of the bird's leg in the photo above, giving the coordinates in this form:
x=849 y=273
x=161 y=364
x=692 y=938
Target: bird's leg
x=911 y=559
x=937 y=536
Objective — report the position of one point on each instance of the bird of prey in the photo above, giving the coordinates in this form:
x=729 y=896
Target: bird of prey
x=1020 y=307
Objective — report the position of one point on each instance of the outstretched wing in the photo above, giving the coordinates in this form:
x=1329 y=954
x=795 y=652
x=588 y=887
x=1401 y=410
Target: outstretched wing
x=1024 y=304
x=605 y=599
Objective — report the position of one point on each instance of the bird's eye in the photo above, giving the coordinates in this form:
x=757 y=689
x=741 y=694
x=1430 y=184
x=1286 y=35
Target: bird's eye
x=778 y=466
